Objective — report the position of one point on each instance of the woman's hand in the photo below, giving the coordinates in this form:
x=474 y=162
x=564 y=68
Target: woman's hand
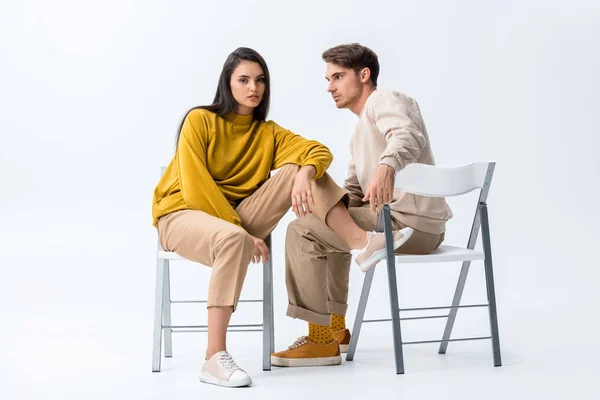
x=302 y=199
x=261 y=251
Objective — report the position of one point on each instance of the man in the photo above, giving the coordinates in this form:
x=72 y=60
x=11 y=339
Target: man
x=389 y=135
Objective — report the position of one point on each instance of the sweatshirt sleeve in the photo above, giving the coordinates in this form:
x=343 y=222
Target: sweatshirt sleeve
x=405 y=141
x=294 y=149
x=352 y=185
x=198 y=189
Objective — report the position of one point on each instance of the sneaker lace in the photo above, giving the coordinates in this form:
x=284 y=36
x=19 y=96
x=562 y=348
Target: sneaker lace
x=301 y=341
x=226 y=361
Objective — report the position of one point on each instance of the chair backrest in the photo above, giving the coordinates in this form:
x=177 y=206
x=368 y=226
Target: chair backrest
x=434 y=181
x=162 y=172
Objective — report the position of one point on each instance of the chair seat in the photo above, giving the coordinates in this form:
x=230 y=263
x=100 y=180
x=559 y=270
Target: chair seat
x=442 y=254
x=169 y=255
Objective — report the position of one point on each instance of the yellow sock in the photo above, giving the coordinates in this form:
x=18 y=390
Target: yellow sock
x=338 y=322
x=319 y=334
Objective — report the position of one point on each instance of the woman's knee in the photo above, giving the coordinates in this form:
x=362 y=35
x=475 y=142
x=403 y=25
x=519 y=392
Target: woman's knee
x=237 y=238
x=289 y=169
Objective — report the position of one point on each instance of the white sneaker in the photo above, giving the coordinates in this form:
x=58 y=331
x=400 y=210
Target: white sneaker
x=221 y=370
x=375 y=250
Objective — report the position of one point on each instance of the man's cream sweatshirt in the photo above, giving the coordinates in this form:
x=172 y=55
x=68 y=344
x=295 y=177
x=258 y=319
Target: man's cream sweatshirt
x=391 y=131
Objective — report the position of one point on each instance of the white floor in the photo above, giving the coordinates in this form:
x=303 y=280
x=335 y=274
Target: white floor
x=77 y=324
x=85 y=358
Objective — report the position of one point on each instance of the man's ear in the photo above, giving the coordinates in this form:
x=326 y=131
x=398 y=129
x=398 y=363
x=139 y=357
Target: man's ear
x=364 y=74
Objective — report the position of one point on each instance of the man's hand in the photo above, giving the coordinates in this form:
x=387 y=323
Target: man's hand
x=261 y=251
x=381 y=188
x=302 y=199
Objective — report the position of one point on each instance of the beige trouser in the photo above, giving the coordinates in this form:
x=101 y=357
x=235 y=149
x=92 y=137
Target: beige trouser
x=228 y=248
x=317 y=264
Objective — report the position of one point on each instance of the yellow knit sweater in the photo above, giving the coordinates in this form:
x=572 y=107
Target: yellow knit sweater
x=222 y=160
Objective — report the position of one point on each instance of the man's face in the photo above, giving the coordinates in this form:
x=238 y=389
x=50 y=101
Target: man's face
x=344 y=85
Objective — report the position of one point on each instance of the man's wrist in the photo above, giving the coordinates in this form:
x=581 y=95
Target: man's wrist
x=391 y=162
x=389 y=168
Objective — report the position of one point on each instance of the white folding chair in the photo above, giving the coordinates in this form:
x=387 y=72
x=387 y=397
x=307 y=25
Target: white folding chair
x=435 y=181
x=162 y=309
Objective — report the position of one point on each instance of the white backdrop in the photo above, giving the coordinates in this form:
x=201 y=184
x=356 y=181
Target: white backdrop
x=91 y=94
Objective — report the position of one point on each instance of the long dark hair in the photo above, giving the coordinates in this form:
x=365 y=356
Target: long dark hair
x=224 y=102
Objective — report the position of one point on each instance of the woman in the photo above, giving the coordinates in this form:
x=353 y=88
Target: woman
x=216 y=204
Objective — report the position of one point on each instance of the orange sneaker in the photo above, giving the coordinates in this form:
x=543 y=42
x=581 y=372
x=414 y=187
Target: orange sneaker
x=306 y=353
x=343 y=338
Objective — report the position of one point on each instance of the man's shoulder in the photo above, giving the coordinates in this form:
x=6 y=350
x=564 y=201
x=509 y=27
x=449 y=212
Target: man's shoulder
x=389 y=95
x=386 y=99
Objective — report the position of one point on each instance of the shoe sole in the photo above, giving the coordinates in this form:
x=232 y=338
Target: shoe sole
x=344 y=348
x=207 y=378
x=380 y=254
x=306 y=362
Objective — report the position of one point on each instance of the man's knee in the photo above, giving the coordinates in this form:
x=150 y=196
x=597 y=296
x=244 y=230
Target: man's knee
x=293 y=232
x=300 y=228
x=303 y=243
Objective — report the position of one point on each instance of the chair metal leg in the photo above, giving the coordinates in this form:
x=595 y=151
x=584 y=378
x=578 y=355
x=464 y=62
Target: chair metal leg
x=489 y=280
x=158 y=314
x=360 y=313
x=464 y=271
x=272 y=330
x=393 y=286
x=267 y=310
x=167 y=311
x=458 y=292
x=272 y=306
x=362 y=304
x=460 y=286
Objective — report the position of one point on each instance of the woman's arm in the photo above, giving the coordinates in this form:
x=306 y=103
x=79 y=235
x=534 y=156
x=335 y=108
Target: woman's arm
x=294 y=149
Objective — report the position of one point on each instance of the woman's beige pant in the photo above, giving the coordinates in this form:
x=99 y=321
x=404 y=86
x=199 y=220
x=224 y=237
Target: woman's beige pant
x=228 y=248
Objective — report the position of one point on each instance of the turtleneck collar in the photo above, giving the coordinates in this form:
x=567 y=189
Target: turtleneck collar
x=239 y=119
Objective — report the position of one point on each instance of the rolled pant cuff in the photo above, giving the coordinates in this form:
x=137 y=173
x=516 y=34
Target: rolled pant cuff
x=337 y=308
x=222 y=302
x=308 y=316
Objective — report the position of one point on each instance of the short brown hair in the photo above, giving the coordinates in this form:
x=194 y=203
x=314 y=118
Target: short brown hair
x=355 y=56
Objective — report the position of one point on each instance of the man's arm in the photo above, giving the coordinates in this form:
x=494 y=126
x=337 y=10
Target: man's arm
x=405 y=141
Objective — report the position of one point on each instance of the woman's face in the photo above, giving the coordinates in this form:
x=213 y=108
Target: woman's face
x=247 y=86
